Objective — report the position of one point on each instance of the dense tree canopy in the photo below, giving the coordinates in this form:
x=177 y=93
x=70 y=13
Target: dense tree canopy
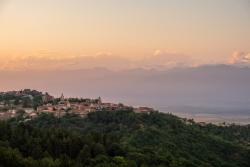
x=26 y=98
x=121 y=139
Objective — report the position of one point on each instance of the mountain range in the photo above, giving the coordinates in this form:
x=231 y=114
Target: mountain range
x=215 y=86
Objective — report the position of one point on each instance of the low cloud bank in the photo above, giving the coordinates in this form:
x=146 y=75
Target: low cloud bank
x=159 y=60
x=240 y=58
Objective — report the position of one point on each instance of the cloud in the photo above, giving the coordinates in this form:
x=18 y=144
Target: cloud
x=46 y=60
x=163 y=60
x=158 y=53
x=240 y=58
x=65 y=63
x=104 y=54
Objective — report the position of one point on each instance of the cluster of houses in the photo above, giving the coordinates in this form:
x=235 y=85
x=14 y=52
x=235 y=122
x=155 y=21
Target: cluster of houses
x=61 y=106
x=12 y=111
x=85 y=106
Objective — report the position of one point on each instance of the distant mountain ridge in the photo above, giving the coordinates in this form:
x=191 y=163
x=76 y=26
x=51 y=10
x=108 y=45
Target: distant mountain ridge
x=209 y=86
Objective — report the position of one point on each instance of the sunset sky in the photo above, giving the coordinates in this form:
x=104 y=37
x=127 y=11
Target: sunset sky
x=206 y=31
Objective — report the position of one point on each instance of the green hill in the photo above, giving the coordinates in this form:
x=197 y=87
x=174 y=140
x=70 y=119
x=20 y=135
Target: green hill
x=122 y=139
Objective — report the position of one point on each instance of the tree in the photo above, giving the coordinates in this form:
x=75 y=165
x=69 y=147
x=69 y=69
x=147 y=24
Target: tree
x=84 y=155
x=98 y=149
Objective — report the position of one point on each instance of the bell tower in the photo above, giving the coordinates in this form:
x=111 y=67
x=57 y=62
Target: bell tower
x=62 y=98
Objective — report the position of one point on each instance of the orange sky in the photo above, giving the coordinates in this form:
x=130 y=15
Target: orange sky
x=207 y=31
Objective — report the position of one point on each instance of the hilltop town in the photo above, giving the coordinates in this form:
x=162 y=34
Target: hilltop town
x=30 y=103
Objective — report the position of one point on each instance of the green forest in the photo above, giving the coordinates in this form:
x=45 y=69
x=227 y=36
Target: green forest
x=121 y=139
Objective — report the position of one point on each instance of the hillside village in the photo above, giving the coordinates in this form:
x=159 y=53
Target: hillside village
x=30 y=103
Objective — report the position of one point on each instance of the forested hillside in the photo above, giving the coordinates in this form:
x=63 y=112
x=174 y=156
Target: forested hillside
x=121 y=139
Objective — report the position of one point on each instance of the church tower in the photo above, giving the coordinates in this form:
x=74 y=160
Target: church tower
x=99 y=100
x=62 y=97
